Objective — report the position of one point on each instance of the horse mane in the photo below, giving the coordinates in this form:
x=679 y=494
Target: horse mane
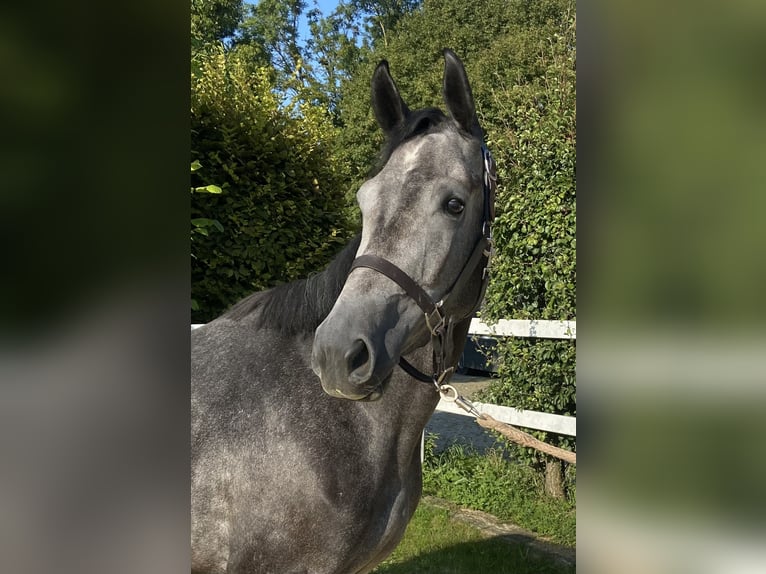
x=300 y=306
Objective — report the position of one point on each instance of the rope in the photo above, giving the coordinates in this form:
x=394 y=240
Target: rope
x=450 y=394
x=524 y=439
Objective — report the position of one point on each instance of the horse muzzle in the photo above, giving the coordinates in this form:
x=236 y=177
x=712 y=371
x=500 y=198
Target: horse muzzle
x=349 y=364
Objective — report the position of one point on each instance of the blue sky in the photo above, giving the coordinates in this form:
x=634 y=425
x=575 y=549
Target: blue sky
x=325 y=6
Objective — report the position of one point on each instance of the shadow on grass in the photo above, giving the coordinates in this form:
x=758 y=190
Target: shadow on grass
x=499 y=555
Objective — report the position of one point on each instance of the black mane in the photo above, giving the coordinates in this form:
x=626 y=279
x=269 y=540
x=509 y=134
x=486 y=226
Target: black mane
x=300 y=306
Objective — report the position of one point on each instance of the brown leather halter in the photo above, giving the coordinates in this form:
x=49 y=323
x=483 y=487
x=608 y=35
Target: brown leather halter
x=439 y=323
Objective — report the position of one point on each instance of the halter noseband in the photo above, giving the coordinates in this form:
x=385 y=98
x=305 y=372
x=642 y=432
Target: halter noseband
x=439 y=323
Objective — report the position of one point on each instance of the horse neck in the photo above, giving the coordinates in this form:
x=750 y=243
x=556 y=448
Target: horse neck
x=409 y=403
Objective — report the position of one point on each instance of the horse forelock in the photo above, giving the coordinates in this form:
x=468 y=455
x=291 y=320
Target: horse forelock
x=418 y=122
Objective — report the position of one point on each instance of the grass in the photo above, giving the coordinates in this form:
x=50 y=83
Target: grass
x=509 y=491
x=435 y=544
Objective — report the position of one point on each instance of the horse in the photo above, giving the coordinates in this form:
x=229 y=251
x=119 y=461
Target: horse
x=309 y=400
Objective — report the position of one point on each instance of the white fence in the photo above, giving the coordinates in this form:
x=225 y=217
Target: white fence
x=526 y=328
x=517 y=417
x=528 y=419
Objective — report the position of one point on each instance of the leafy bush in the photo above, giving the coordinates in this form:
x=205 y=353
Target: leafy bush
x=281 y=206
x=534 y=275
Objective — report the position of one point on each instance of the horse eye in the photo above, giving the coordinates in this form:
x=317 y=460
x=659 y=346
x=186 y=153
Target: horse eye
x=455 y=206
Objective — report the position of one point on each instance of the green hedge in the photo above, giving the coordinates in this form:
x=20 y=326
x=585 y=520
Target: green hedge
x=535 y=268
x=282 y=206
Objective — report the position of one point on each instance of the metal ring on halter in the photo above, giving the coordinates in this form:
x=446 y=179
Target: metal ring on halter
x=445 y=390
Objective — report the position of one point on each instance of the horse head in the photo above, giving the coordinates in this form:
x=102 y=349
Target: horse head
x=424 y=217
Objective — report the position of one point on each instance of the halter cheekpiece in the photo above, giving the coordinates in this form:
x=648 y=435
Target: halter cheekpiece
x=439 y=323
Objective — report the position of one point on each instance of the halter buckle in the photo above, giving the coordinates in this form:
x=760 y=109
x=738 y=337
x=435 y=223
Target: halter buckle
x=440 y=319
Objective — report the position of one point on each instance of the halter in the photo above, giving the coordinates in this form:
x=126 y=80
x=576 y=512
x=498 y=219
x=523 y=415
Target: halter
x=439 y=323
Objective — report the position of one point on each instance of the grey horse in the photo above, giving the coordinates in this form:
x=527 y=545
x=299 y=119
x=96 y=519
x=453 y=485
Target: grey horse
x=305 y=433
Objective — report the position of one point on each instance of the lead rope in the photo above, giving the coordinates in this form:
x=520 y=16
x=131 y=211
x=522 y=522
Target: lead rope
x=510 y=432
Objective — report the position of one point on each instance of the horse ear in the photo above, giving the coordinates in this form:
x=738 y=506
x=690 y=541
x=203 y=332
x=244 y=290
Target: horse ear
x=389 y=107
x=458 y=96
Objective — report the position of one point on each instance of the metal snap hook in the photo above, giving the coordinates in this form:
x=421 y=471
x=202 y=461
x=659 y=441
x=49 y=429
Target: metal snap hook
x=462 y=402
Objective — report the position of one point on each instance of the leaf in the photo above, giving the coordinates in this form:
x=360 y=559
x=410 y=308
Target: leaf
x=208 y=189
x=195 y=165
x=202 y=223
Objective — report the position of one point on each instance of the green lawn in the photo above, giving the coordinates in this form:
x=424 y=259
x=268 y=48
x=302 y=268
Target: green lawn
x=435 y=544
x=509 y=491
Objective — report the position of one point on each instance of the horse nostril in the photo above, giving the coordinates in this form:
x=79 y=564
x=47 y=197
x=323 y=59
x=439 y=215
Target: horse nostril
x=358 y=361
